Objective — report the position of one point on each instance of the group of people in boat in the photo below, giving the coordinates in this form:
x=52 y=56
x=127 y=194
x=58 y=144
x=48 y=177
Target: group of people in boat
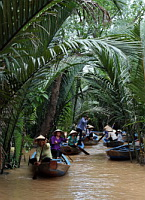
x=112 y=135
x=47 y=150
x=52 y=149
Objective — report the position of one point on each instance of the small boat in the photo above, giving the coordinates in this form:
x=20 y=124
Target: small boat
x=122 y=152
x=68 y=150
x=126 y=138
x=112 y=143
x=88 y=142
x=54 y=168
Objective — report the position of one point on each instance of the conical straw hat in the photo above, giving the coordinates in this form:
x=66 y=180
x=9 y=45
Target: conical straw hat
x=40 y=137
x=90 y=126
x=57 y=130
x=72 y=132
x=108 y=128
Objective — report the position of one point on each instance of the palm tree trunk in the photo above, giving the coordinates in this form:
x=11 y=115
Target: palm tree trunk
x=48 y=122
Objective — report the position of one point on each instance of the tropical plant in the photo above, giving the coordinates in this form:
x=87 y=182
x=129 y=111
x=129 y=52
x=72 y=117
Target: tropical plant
x=29 y=52
x=35 y=53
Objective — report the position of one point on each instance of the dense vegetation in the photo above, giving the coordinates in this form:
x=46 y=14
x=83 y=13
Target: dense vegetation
x=61 y=59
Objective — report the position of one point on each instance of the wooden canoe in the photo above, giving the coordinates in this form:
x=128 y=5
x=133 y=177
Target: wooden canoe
x=112 y=143
x=68 y=150
x=122 y=152
x=88 y=142
x=54 y=168
x=127 y=139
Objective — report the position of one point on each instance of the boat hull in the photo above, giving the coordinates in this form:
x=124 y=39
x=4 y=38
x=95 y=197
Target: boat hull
x=113 y=143
x=88 y=142
x=67 y=150
x=121 y=153
x=115 y=155
x=54 y=168
x=127 y=139
x=45 y=170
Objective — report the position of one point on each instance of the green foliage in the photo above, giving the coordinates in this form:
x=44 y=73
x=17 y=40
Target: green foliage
x=41 y=40
x=27 y=143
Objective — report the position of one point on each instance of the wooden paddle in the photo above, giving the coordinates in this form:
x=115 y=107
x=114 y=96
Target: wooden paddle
x=85 y=152
x=70 y=158
x=36 y=167
x=101 y=138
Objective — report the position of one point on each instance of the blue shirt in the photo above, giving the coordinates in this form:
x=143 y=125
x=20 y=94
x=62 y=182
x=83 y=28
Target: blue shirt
x=82 y=124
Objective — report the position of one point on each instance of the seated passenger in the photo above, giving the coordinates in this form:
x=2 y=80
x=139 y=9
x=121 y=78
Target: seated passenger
x=55 y=141
x=43 y=151
x=89 y=132
x=119 y=135
x=110 y=134
x=72 y=139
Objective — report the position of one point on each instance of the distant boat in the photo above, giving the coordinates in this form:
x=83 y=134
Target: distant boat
x=68 y=150
x=122 y=152
x=54 y=168
x=112 y=143
x=88 y=142
x=126 y=138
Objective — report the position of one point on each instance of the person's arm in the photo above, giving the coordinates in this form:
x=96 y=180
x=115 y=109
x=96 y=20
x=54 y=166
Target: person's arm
x=108 y=135
x=47 y=145
x=68 y=138
x=38 y=154
x=53 y=140
x=63 y=139
x=76 y=141
x=84 y=120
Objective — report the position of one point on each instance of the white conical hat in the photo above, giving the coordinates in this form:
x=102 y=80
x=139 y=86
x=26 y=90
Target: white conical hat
x=108 y=128
x=119 y=130
x=90 y=126
x=58 y=130
x=40 y=137
x=72 y=132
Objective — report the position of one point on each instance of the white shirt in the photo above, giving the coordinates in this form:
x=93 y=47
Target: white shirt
x=112 y=135
x=119 y=137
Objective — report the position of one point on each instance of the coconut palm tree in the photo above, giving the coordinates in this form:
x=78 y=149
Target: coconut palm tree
x=32 y=55
x=29 y=52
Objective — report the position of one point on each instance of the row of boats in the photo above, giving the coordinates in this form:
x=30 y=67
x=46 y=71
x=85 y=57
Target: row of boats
x=59 y=167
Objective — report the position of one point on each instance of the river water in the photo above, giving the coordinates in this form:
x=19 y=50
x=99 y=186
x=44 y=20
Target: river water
x=89 y=178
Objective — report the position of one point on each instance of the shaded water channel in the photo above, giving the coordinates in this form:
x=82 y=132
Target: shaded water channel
x=89 y=178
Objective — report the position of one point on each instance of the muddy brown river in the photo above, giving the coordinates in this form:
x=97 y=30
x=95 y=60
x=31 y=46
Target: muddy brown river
x=89 y=178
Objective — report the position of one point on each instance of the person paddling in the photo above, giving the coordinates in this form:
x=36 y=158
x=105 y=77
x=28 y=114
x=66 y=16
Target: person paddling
x=43 y=151
x=82 y=124
x=56 y=140
x=72 y=139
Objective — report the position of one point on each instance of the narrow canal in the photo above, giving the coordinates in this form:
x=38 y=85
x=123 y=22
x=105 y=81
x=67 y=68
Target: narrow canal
x=89 y=178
